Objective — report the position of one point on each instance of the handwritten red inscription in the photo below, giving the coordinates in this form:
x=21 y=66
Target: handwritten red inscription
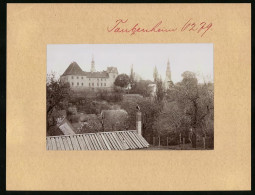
x=120 y=27
x=203 y=27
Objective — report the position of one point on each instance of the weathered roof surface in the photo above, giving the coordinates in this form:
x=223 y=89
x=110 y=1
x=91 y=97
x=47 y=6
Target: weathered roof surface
x=73 y=69
x=116 y=140
x=103 y=74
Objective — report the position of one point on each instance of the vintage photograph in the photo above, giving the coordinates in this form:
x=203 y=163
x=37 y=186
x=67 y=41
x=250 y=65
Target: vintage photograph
x=130 y=97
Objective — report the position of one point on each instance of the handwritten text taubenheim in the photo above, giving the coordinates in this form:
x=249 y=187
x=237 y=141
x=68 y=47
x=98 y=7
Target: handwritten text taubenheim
x=122 y=26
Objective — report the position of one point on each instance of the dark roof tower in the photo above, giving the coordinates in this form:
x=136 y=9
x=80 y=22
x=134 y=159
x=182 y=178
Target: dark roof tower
x=112 y=69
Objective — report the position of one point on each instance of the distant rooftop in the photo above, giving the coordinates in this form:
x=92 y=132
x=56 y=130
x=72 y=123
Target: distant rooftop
x=75 y=69
x=115 y=140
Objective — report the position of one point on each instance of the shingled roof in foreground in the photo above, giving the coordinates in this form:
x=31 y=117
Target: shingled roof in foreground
x=117 y=140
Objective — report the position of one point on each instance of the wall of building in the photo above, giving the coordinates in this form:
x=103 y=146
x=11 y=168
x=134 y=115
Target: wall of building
x=77 y=81
x=98 y=82
x=112 y=77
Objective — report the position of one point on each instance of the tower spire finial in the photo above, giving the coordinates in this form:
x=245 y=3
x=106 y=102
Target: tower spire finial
x=93 y=69
x=168 y=71
x=132 y=76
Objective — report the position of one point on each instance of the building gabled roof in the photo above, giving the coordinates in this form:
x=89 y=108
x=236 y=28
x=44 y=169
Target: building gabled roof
x=73 y=69
x=116 y=140
x=112 y=69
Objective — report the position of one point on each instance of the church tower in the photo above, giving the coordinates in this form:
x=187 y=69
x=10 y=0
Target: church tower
x=168 y=79
x=132 y=75
x=93 y=69
x=168 y=71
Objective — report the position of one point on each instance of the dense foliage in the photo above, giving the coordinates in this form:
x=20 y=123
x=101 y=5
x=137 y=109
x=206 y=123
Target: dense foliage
x=122 y=80
x=57 y=95
x=188 y=106
x=141 y=87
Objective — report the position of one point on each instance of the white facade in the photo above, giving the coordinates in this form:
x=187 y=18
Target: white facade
x=83 y=81
x=79 y=79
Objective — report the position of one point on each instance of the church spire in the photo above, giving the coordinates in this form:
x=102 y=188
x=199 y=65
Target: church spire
x=132 y=76
x=93 y=69
x=168 y=71
x=168 y=80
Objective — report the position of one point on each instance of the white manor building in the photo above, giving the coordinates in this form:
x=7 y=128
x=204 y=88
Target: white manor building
x=79 y=79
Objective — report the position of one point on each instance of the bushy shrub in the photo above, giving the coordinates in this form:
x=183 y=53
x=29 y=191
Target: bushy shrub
x=74 y=118
x=110 y=96
x=91 y=123
x=115 y=120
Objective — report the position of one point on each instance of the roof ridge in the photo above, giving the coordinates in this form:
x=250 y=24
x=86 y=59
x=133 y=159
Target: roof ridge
x=72 y=66
x=89 y=133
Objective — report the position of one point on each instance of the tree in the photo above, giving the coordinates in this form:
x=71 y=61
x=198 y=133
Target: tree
x=122 y=80
x=57 y=95
x=196 y=102
x=141 y=87
x=132 y=76
x=155 y=74
x=91 y=123
x=169 y=119
x=170 y=122
x=115 y=120
x=149 y=111
x=130 y=108
x=159 y=90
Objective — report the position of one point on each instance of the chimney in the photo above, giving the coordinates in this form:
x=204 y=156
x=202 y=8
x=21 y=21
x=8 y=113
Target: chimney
x=66 y=127
x=139 y=122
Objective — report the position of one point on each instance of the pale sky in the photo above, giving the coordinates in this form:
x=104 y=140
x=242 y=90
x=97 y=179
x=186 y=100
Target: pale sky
x=193 y=57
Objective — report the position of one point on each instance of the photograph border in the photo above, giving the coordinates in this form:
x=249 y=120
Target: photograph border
x=4 y=99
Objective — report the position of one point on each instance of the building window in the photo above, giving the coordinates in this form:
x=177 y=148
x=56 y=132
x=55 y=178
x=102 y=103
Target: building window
x=92 y=84
x=101 y=79
x=72 y=77
x=77 y=83
x=82 y=84
x=97 y=84
x=105 y=84
x=72 y=83
x=77 y=77
x=101 y=84
x=89 y=84
x=81 y=77
x=98 y=79
x=89 y=79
